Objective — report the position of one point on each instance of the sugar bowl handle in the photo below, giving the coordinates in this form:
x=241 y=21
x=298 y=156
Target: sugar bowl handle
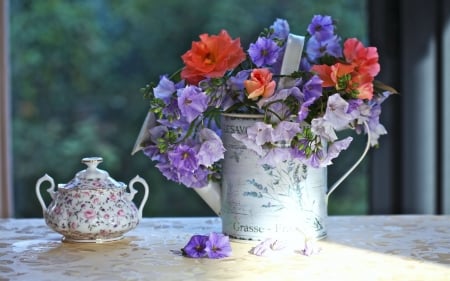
x=50 y=190
x=133 y=191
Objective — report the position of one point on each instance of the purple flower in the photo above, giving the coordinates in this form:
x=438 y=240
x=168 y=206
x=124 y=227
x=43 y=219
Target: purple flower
x=335 y=149
x=280 y=29
x=157 y=133
x=337 y=112
x=263 y=247
x=376 y=130
x=317 y=49
x=276 y=155
x=192 y=102
x=305 y=65
x=323 y=128
x=257 y=135
x=197 y=178
x=264 y=52
x=285 y=131
x=211 y=149
x=236 y=83
x=152 y=152
x=170 y=113
x=276 y=102
x=260 y=132
x=165 y=89
x=196 y=247
x=316 y=159
x=218 y=246
x=249 y=142
x=356 y=107
x=372 y=112
x=303 y=113
x=312 y=89
x=183 y=157
x=213 y=246
x=168 y=171
x=321 y=27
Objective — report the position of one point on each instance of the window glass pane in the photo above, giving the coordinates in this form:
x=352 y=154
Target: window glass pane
x=77 y=67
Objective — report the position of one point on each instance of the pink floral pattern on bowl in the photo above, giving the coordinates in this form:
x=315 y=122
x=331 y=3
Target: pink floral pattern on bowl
x=92 y=207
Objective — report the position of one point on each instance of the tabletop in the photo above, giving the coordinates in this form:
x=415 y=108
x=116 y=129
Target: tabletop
x=397 y=247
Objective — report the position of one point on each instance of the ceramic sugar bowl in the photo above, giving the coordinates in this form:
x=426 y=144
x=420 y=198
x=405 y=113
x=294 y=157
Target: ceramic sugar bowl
x=92 y=207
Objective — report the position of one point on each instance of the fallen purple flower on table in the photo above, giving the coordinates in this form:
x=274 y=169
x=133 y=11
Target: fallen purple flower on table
x=218 y=246
x=214 y=246
x=270 y=244
x=196 y=246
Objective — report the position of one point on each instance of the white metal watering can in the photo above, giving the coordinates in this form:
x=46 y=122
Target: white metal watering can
x=257 y=201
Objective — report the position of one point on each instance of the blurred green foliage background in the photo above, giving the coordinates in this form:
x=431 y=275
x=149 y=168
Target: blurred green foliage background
x=77 y=67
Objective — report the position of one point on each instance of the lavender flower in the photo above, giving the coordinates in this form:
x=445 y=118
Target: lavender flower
x=264 y=247
x=192 y=102
x=165 y=89
x=285 y=131
x=218 y=246
x=157 y=133
x=264 y=52
x=305 y=65
x=236 y=83
x=316 y=159
x=372 y=111
x=276 y=155
x=183 y=157
x=195 y=178
x=323 y=128
x=257 y=136
x=217 y=93
x=214 y=246
x=280 y=29
x=312 y=89
x=337 y=112
x=196 y=247
x=275 y=103
x=211 y=149
x=152 y=152
x=335 y=149
x=171 y=110
x=354 y=107
x=260 y=132
x=317 y=49
x=321 y=27
x=168 y=171
x=303 y=113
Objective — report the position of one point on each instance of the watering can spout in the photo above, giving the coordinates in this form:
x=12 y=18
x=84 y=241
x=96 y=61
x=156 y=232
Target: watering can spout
x=211 y=195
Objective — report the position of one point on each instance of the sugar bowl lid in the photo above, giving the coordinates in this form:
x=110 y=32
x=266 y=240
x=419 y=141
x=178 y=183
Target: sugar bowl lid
x=92 y=177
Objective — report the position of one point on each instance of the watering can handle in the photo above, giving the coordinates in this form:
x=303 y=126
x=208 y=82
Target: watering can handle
x=343 y=177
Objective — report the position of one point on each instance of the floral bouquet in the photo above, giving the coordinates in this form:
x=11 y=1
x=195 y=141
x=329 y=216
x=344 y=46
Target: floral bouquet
x=333 y=87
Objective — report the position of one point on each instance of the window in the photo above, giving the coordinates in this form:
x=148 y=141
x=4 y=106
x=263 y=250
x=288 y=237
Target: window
x=76 y=70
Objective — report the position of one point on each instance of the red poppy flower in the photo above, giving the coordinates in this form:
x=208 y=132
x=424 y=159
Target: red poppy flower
x=211 y=57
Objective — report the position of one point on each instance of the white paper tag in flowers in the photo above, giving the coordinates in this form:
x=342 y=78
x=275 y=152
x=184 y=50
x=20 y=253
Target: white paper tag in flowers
x=144 y=134
x=291 y=59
